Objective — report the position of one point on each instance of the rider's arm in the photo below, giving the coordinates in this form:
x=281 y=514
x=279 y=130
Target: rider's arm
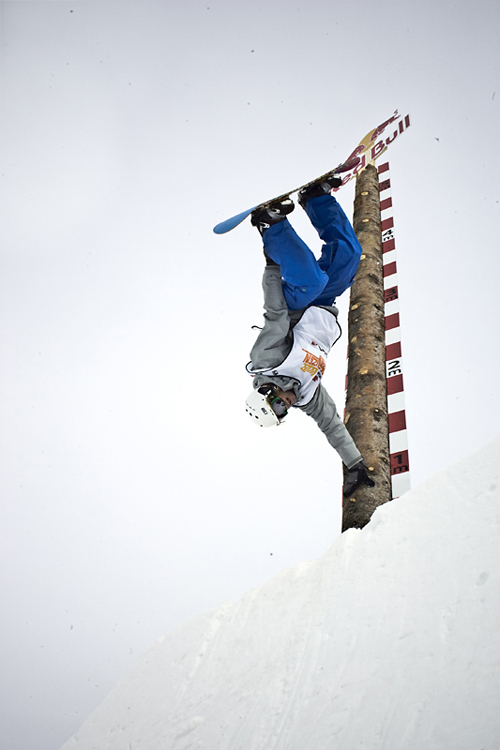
x=324 y=412
x=274 y=341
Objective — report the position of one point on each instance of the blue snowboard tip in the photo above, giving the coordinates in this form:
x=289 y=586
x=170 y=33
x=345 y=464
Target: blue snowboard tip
x=228 y=224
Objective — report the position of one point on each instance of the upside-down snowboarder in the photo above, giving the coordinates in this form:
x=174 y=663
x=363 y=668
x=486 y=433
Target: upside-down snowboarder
x=289 y=356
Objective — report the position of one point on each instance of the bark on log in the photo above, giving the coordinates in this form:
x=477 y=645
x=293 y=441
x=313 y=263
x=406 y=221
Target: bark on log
x=366 y=400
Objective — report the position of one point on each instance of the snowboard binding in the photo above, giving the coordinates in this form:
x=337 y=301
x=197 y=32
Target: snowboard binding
x=318 y=188
x=265 y=217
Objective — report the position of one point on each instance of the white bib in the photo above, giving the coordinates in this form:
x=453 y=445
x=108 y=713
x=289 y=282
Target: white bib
x=313 y=337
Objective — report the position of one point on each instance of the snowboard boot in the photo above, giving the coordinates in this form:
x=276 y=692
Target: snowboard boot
x=263 y=218
x=318 y=188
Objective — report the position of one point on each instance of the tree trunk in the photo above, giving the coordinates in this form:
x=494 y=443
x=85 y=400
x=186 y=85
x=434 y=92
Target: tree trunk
x=366 y=400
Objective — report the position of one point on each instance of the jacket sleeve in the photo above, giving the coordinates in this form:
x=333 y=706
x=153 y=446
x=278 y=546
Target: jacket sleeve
x=324 y=412
x=273 y=342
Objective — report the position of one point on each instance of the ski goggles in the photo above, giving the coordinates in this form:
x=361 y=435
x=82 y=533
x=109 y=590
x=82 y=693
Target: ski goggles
x=276 y=403
x=278 y=406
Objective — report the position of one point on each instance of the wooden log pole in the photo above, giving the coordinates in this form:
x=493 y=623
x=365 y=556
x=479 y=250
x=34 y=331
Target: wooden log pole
x=366 y=399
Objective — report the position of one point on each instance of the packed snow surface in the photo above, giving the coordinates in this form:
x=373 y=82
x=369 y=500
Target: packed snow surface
x=388 y=641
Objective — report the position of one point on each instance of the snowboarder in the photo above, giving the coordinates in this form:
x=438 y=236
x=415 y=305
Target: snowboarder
x=289 y=356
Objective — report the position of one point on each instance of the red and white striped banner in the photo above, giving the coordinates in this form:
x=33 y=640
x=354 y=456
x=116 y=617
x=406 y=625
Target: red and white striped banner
x=398 y=439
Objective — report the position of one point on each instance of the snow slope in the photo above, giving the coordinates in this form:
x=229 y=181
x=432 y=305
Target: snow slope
x=388 y=641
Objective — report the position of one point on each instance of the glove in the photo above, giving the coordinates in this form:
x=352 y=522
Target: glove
x=357 y=476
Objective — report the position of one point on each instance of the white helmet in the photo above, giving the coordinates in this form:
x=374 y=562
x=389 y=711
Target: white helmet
x=259 y=408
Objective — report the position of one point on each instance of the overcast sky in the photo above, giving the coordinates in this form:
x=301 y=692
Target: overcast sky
x=134 y=491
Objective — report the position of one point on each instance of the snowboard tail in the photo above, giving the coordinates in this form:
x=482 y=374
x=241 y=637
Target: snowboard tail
x=228 y=224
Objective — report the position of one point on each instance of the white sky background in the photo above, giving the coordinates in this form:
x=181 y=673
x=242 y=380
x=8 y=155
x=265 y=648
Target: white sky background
x=134 y=493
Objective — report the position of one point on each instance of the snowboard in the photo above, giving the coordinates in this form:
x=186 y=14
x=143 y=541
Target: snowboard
x=234 y=221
